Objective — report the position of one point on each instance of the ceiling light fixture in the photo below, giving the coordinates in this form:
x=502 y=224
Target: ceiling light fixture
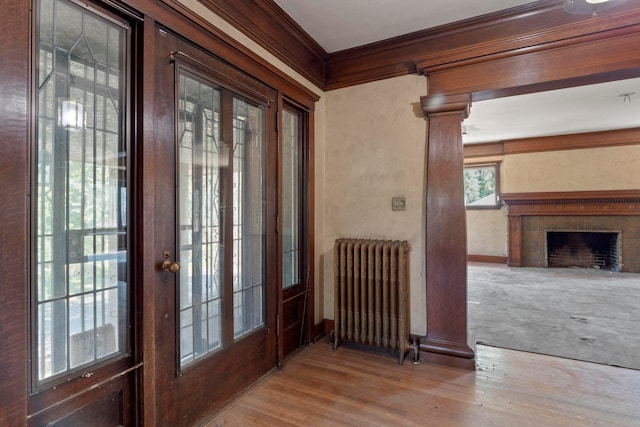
x=626 y=96
x=590 y=7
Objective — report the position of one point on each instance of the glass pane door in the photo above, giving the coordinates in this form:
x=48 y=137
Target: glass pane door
x=80 y=238
x=291 y=149
x=221 y=237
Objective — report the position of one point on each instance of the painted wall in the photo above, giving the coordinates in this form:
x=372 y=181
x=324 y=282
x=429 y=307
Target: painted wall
x=487 y=232
x=375 y=150
x=613 y=168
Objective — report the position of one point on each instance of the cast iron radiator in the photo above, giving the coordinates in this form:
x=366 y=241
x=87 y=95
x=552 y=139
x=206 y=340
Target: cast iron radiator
x=372 y=294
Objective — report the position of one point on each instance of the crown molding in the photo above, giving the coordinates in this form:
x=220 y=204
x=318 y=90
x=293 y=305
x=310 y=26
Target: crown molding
x=575 y=141
x=267 y=24
x=526 y=29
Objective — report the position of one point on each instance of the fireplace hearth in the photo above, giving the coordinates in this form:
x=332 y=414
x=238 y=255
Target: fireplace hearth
x=585 y=249
x=615 y=213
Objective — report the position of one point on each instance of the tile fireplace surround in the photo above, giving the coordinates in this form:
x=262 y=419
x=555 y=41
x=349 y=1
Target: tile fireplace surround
x=531 y=215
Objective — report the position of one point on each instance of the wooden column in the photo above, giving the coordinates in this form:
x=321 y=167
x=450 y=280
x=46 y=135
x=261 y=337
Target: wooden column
x=446 y=239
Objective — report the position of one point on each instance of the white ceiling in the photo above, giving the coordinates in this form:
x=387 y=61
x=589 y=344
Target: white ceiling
x=342 y=24
x=590 y=108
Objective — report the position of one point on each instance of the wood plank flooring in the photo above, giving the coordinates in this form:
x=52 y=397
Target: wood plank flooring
x=350 y=387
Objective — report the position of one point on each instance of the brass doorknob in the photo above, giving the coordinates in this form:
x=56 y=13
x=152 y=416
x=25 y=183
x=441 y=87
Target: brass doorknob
x=170 y=266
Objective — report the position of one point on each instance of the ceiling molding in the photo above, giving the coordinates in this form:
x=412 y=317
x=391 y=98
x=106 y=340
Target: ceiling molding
x=267 y=24
x=531 y=27
x=576 y=141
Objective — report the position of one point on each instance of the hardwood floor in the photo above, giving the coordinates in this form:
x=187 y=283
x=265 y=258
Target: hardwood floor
x=349 y=387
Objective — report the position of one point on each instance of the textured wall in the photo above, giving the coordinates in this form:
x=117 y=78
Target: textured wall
x=487 y=232
x=375 y=150
x=614 y=168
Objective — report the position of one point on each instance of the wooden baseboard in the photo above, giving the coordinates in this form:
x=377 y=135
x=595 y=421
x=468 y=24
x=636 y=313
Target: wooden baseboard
x=487 y=258
x=321 y=329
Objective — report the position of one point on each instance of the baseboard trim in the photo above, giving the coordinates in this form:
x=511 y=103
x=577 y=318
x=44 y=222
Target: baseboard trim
x=487 y=258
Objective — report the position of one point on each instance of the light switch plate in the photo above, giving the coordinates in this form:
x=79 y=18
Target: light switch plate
x=398 y=203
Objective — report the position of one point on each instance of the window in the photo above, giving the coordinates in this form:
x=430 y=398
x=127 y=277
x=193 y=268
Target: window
x=80 y=242
x=221 y=198
x=291 y=148
x=481 y=186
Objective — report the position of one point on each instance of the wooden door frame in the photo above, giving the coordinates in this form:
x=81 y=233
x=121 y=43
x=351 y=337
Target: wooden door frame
x=500 y=65
x=307 y=224
x=17 y=134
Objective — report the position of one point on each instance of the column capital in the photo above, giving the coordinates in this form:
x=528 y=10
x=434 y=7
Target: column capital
x=446 y=104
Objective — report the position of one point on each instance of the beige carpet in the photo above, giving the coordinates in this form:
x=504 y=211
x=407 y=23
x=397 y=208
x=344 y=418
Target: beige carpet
x=590 y=315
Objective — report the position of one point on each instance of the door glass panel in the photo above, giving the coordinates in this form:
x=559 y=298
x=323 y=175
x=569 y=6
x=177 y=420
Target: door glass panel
x=200 y=163
x=248 y=216
x=291 y=143
x=204 y=166
x=80 y=240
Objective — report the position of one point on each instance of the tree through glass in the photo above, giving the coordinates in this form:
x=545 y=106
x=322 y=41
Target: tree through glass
x=206 y=168
x=481 y=186
x=80 y=209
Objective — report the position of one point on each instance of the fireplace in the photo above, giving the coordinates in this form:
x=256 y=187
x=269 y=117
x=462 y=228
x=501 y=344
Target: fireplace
x=585 y=249
x=585 y=216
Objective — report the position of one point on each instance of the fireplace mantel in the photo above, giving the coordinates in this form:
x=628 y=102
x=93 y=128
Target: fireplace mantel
x=575 y=203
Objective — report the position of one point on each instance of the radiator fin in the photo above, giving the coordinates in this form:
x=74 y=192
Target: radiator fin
x=372 y=293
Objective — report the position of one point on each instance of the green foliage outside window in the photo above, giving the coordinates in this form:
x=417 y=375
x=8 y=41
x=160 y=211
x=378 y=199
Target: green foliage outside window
x=480 y=186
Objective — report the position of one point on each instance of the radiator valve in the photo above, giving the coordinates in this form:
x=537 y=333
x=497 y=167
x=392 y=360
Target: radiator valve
x=415 y=352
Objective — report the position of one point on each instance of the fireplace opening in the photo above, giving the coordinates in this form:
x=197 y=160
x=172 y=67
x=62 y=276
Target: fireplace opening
x=584 y=249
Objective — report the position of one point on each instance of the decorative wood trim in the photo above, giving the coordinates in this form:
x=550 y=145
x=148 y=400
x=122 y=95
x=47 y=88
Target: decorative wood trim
x=514 y=31
x=181 y=20
x=494 y=259
x=528 y=28
x=329 y=325
x=485 y=149
x=267 y=24
x=609 y=197
x=445 y=105
x=15 y=34
x=576 y=141
x=446 y=248
x=544 y=26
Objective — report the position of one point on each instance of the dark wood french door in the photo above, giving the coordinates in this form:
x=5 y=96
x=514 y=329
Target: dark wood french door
x=294 y=226
x=82 y=290
x=214 y=180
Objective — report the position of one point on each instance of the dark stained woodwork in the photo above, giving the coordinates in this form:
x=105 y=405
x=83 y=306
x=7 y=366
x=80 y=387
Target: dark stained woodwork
x=148 y=212
x=615 y=202
x=269 y=26
x=528 y=27
x=483 y=149
x=487 y=258
x=521 y=29
x=446 y=239
x=185 y=396
x=109 y=404
x=199 y=31
x=323 y=387
x=14 y=145
x=530 y=69
x=609 y=138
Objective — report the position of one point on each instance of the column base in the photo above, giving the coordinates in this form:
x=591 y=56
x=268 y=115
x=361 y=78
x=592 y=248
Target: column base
x=448 y=353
